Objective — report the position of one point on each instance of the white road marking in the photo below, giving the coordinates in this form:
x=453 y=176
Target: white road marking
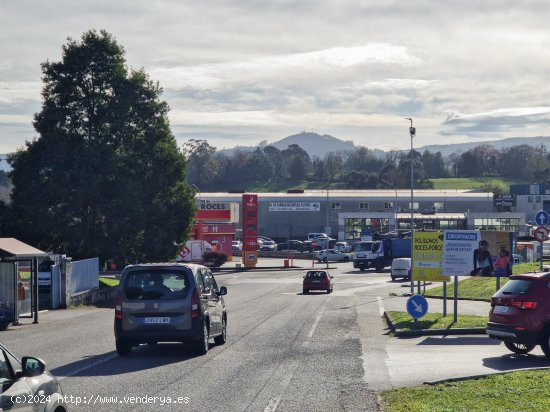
x=315 y=323
x=380 y=305
x=91 y=365
x=274 y=402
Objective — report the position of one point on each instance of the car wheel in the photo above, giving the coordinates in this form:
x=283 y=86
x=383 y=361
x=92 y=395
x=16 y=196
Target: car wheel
x=362 y=268
x=123 y=348
x=4 y=325
x=325 y=260
x=328 y=291
x=202 y=345
x=220 y=340
x=545 y=344
x=305 y=291
x=379 y=266
x=393 y=278
x=519 y=348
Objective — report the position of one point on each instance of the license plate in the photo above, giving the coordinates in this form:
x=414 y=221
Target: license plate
x=157 y=321
x=315 y=281
x=501 y=309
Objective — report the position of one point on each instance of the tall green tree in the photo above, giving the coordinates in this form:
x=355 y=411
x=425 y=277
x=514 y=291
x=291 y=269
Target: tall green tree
x=104 y=177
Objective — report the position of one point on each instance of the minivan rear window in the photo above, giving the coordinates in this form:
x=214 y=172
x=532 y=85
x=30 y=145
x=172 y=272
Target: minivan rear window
x=157 y=284
x=516 y=287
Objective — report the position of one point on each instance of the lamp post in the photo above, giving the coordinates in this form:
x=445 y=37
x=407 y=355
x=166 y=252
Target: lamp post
x=395 y=204
x=412 y=132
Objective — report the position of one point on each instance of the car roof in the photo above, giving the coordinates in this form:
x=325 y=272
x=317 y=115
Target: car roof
x=531 y=275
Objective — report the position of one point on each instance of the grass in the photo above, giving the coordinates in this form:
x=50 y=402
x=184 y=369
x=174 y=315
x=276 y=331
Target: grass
x=463 y=183
x=477 y=288
x=107 y=282
x=513 y=391
x=404 y=322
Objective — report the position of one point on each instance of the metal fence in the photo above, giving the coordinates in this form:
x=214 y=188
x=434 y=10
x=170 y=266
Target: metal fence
x=84 y=276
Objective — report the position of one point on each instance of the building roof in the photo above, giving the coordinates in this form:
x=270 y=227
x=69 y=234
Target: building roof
x=13 y=248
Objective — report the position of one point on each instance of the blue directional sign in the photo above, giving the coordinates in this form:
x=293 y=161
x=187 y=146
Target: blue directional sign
x=542 y=218
x=417 y=306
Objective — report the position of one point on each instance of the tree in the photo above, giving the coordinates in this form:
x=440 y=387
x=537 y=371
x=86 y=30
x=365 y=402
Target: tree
x=105 y=176
x=203 y=165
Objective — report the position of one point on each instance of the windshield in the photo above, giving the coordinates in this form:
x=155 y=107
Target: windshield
x=516 y=287
x=363 y=247
x=160 y=284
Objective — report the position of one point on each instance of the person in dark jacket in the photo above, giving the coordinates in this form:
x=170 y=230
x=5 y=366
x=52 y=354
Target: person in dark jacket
x=483 y=262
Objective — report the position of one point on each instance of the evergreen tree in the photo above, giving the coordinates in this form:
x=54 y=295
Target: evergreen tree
x=104 y=177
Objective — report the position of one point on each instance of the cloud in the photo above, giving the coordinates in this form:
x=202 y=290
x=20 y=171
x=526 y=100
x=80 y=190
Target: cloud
x=512 y=120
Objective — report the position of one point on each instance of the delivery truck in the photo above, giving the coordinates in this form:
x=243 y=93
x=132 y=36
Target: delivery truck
x=379 y=252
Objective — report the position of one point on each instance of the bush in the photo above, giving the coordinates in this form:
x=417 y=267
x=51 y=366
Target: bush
x=214 y=259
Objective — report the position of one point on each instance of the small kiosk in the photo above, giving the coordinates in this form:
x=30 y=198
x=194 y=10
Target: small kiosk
x=18 y=281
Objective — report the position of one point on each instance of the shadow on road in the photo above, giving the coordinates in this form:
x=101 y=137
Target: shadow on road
x=511 y=361
x=459 y=340
x=142 y=357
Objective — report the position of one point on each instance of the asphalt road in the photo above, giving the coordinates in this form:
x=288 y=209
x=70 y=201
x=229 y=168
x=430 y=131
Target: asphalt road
x=285 y=351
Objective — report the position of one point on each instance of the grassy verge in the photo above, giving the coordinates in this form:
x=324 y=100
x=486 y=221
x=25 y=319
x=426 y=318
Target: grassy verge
x=514 y=391
x=404 y=322
x=479 y=288
x=107 y=282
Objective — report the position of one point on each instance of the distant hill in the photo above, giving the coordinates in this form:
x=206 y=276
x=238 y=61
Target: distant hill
x=447 y=149
x=314 y=144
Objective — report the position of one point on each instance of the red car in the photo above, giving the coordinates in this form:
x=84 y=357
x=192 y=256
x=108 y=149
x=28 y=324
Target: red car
x=317 y=280
x=520 y=313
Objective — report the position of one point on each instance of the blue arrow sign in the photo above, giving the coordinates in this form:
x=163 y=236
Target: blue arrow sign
x=417 y=306
x=542 y=218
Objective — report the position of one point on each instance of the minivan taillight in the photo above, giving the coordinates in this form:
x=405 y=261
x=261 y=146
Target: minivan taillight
x=524 y=305
x=195 y=304
x=118 y=305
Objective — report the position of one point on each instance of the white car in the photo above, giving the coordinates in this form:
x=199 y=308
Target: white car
x=343 y=247
x=332 y=255
x=401 y=268
x=237 y=245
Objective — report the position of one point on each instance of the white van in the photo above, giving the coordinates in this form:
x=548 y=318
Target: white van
x=401 y=268
x=315 y=236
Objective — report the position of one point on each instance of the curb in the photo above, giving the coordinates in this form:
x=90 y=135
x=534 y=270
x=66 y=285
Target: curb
x=474 y=377
x=431 y=332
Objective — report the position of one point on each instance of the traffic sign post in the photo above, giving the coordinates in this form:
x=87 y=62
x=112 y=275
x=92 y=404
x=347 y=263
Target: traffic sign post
x=541 y=234
x=417 y=306
x=542 y=218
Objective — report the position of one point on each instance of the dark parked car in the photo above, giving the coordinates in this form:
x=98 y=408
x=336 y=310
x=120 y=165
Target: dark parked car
x=295 y=245
x=520 y=313
x=171 y=302
x=317 y=280
x=25 y=385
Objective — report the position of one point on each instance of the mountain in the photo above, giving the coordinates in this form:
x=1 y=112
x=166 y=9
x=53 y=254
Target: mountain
x=314 y=144
x=447 y=149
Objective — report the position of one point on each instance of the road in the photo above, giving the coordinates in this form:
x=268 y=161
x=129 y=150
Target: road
x=285 y=351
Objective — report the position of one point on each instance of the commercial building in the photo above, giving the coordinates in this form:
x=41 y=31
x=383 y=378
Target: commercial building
x=345 y=214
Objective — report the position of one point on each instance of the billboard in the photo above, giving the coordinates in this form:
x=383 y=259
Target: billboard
x=428 y=257
x=250 y=229
x=294 y=206
x=477 y=253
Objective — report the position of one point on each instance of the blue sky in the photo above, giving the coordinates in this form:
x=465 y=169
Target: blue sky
x=238 y=72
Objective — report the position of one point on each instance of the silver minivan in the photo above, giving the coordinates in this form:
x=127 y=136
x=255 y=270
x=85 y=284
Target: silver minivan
x=169 y=302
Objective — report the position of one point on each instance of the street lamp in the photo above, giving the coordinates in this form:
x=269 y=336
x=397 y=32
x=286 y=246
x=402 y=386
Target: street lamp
x=395 y=204
x=412 y=132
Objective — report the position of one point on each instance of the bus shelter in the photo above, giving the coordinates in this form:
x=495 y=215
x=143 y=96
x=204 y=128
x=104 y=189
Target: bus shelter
x=18 y=281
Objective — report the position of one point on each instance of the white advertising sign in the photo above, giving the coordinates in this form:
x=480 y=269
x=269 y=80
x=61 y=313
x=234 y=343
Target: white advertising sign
x=458 y=251
x=294 y=206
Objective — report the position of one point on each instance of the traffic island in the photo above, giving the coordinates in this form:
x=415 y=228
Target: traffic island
x=402 y=324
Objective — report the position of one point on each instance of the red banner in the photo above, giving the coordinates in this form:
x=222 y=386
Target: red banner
x=250 y=229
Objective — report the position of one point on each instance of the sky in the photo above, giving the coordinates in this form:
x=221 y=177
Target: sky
x=238 y=72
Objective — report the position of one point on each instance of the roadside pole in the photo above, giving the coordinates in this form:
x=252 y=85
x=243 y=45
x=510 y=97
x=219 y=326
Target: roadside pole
x=455 y=318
